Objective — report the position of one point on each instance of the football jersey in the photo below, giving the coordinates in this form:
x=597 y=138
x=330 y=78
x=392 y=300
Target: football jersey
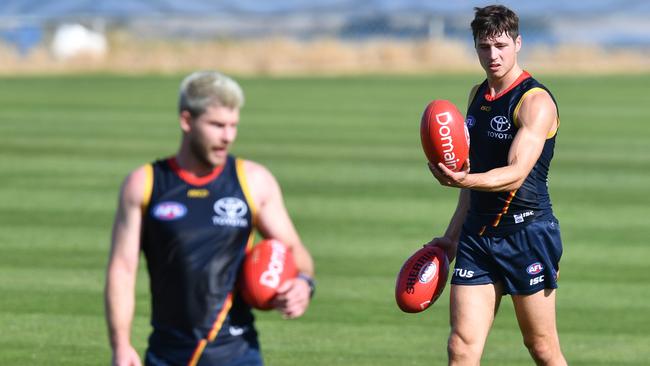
x=195 y=234
x=492 y=124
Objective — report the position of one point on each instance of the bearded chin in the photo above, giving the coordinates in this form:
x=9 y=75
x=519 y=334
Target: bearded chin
x=199 y=153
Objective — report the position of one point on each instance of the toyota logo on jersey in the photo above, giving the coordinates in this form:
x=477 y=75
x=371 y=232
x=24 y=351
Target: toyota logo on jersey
x=230 y=211
x=500 y=124
x=500 y=127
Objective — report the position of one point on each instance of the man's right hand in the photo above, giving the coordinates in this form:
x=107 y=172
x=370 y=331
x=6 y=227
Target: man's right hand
x=126 y=356
x=448 y=245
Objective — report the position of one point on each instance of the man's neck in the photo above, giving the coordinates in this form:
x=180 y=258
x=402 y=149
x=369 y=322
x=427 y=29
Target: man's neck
x=498 y=85
x=189 y=163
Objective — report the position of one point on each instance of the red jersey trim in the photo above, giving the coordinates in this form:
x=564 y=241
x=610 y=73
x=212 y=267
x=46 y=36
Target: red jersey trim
x=196 y=355
x=190 y=177
x=505 y=208
x=524 y=75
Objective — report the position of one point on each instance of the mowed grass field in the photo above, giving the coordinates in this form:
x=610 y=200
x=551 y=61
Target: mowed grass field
x=347 y=154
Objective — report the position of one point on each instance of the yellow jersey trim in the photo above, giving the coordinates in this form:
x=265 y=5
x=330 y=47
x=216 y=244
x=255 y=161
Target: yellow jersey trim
x=243 y=182
x=472 y=94
x=148 y=186
x=516 y=112
x=198 y=351
x=506 y=206
x=554 y=132
x=521 y=101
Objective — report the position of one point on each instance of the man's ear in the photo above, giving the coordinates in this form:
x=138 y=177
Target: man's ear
x=185 y=120
x=518 y=43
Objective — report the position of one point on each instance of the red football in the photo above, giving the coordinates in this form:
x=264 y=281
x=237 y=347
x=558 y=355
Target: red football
x=265 y=268
x=444 y=136
x=421 y=279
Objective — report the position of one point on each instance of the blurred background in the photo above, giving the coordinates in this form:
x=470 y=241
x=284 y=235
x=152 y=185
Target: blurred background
x=324 y=36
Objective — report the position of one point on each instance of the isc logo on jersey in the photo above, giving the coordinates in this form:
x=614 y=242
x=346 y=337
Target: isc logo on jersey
x=169 y=211
x=230 y=211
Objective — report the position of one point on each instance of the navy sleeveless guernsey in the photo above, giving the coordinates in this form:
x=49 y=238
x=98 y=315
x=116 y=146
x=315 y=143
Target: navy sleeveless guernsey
x=492 y=125
x=195 y=234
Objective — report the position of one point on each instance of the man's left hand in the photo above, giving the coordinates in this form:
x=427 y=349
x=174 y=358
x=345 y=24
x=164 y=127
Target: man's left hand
x=293 y=298
x=449 y=178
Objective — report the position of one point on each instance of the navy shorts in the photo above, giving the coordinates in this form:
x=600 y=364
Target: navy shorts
x=251 y=357
x=234 y=353
x=525 y=261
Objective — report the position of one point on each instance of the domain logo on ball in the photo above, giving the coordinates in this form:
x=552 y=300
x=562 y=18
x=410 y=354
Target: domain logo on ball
x=269 y=264
x=444 y=135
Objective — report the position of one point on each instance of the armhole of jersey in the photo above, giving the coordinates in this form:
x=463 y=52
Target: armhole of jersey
x=551 y=134
x=472 y=95
x=515 y=114
x=243 y=182
x=148 y=187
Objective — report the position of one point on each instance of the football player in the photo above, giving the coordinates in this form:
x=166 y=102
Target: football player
x=194 y=215
x=503 y=233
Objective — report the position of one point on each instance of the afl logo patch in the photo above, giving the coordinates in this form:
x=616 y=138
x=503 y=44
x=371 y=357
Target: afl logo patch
x=427 y=272
x=470 y=121
x=535 y=268
x=169 y=211
x=230 y=211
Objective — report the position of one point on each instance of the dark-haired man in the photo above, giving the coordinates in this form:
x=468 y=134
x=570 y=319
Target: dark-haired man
x=503 y=233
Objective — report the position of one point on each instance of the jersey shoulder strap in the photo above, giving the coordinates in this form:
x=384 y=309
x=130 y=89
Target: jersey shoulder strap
x=148 y=187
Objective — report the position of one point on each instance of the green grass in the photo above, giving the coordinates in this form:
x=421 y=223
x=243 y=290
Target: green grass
x=346 y=152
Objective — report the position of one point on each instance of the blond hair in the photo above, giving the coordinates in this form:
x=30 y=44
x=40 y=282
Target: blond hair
x=202 y=89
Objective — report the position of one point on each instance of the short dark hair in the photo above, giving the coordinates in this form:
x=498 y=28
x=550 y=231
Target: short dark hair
x=494 y=20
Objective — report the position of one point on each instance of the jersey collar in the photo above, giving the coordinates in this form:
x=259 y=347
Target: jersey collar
x=524 y=75
x=190 y=177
